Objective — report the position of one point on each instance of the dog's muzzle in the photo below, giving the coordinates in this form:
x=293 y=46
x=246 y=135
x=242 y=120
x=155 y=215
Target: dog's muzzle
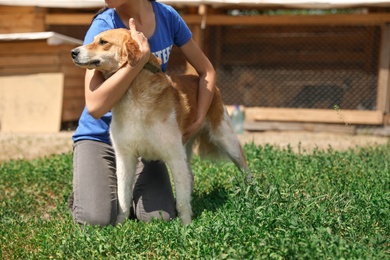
x=78 y=60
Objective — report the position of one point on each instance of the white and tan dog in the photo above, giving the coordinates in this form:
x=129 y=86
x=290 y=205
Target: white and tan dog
x=150 y=118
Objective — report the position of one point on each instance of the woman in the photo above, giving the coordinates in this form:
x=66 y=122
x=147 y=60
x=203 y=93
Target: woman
x=94 y=199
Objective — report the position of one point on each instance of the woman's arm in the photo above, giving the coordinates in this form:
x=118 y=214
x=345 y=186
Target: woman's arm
x=207 y=77
x=102 y=95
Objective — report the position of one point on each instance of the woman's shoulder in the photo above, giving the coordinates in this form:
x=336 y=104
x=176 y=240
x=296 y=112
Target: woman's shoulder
x=105 y=20
x=164 y=8
x=107 y=15
x=103 y=13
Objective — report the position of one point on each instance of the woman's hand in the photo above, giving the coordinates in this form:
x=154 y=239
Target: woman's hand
x=192 y=130
x=142 y=41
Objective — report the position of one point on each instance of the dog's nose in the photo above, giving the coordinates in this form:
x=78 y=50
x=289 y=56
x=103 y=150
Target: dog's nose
x=74 y=53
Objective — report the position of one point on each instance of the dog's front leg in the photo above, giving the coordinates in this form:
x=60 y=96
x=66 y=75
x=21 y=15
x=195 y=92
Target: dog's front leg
x=126 y=166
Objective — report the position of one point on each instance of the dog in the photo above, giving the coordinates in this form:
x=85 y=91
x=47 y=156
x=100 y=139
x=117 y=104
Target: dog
x=150 y=118
x=325 y=96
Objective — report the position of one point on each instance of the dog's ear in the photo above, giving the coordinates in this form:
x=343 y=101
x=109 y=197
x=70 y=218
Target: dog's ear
x=133 y=52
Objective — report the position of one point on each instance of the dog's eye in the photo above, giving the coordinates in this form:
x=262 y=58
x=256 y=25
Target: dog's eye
x=102 y=42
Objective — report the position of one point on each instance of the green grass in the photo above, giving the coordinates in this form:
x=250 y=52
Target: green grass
x=325 y=205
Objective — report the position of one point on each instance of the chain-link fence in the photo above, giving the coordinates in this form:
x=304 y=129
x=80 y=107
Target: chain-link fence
x=317 y=67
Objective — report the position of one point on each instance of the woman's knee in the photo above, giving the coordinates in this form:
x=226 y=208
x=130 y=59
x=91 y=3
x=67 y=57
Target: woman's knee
x=96 y=216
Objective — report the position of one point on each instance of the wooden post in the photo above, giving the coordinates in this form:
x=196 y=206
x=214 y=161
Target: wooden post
x=383 y=90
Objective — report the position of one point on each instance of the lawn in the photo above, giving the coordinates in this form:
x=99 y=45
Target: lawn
x=322 y=205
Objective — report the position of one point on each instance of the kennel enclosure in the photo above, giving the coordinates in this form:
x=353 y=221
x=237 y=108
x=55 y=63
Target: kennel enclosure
x=323 y=62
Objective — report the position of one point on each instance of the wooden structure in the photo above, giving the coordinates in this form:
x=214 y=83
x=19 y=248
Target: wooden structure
x=44 y=53
x=211 y=23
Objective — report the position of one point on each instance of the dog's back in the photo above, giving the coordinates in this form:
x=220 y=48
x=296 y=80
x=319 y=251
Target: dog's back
x=156 y=104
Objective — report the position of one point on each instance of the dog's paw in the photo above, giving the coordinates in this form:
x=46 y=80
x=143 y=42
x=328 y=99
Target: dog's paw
x=186 y=217
x=186 y=220
x=185 y=212
x=121 y=218
x=248 y=177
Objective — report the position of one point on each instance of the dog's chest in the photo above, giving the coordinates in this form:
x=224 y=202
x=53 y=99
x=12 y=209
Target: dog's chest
x=144 y=121
x=139 y=133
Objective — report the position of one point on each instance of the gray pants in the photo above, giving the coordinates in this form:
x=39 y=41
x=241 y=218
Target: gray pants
x=95 y=189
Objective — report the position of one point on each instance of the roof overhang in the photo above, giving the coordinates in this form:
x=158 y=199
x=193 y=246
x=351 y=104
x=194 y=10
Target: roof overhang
x=52 y=38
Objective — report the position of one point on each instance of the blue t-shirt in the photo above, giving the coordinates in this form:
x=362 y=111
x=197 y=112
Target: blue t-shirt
x=170 y=29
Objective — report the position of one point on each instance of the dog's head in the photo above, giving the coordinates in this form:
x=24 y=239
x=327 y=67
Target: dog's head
x=109 y=51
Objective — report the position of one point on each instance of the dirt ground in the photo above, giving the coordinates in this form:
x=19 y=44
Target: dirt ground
x=30 y=146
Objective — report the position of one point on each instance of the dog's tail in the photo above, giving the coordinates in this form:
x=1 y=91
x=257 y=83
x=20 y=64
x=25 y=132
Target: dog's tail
x=208 y=150
x=222 y=143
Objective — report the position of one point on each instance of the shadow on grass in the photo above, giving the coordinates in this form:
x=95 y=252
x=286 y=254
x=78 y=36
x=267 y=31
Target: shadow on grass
x=210 y=201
